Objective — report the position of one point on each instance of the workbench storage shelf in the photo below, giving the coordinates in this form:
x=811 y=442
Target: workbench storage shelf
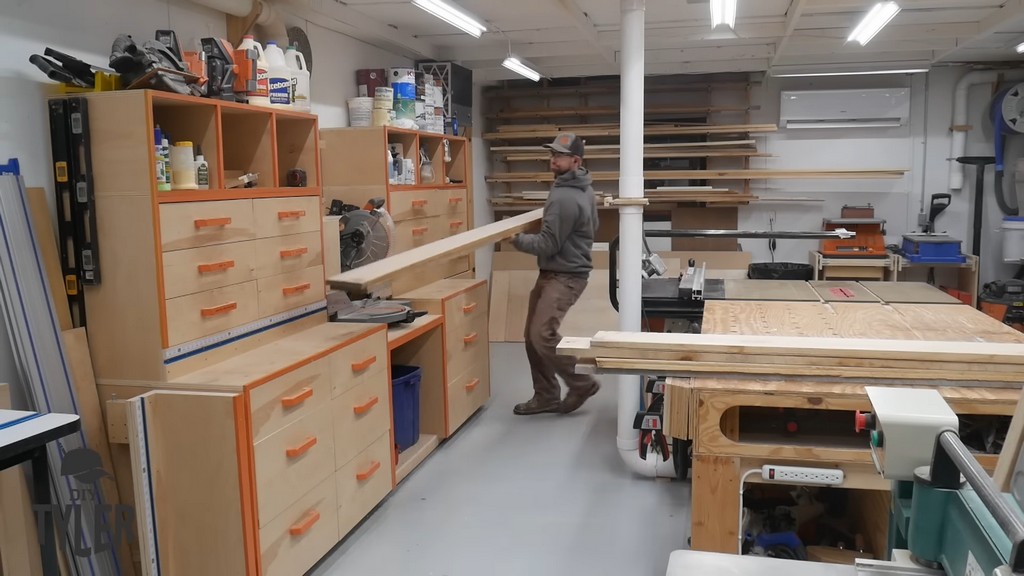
x=192 y=273
x=236 y=139
x=355 y=169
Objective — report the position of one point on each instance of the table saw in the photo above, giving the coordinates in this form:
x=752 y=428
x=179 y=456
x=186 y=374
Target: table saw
x=948 y=516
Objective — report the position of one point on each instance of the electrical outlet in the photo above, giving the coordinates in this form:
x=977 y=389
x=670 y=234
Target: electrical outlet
x=798 y=475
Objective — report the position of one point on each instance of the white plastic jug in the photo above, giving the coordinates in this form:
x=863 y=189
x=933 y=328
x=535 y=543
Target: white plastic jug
x=300 y=72
x=261 y=97
x=280 y=77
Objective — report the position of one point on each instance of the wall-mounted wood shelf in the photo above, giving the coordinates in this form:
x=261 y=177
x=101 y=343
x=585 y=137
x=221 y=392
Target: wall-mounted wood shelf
x=506 y=177
x=518 y=114
x=648 y=155
x=583 y=131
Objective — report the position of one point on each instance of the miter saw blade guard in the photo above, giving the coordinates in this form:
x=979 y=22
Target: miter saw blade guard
x=370 y=310
x=366 y=234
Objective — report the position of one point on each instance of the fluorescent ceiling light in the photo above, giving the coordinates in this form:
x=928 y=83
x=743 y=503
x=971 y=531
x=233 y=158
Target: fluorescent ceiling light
x=516 y=65
x=1020 y=48
x=876 y=19
x=452 y=15
x=723 y=12
x=847 y=73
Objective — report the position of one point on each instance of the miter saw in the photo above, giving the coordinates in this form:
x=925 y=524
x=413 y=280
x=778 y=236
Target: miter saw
x=366 y=236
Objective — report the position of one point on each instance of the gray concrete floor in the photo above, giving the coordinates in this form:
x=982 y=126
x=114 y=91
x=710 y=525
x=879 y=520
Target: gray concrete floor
x=514 y=495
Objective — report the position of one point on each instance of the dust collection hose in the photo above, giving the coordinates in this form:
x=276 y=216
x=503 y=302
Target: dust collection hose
x=1000 y=147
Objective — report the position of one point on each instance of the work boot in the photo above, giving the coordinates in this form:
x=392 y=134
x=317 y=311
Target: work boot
x=573 y=400
x=537 y=406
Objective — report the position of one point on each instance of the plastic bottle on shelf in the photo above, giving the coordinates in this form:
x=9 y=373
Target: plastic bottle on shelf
x=202 y=170
x=183 y=166
x=280 y=77
x=300 y=72
x=158 y=154
x=261 y=97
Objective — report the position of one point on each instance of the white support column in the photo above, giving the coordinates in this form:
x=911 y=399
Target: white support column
x=631 y=221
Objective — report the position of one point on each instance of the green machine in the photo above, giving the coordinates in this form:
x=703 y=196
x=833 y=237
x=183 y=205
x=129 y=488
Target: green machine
x=946 y=510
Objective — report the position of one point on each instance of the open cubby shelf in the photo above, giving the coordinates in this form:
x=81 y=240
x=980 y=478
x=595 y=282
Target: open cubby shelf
x=240 y=139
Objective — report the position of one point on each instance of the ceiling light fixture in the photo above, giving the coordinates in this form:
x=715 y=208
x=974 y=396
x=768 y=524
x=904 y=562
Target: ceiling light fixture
x=522 y=68
x=880 y=15
x=1020 y=48
x=452 y=15
x=723 y=12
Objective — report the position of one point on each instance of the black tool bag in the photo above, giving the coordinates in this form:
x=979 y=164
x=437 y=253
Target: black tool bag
x=134 y=62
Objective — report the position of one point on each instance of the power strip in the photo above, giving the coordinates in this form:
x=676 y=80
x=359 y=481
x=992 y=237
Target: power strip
x=798 y=475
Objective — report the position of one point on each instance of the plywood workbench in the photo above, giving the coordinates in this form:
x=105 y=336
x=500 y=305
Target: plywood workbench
x=729 y=419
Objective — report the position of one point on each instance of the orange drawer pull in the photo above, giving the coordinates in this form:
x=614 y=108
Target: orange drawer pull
x=296 y=399
x=297 y=289
x=360 y=366
x=419 y=203
x=468 y=308
x=301 y=448
x=471 y=338
x=472 y=385
x=420 y=231
x=303 y=526
x=201 y=223
x=218 y=310
x=294 y=252
x=216 y=266
x=364 y=408
x=456 y=224
x=363 y=476
x=454 y=200
x=290 y=214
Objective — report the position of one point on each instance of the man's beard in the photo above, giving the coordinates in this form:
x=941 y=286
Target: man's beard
x=557 y=172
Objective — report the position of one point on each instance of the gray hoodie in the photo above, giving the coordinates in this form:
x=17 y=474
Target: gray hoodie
x=570 y=223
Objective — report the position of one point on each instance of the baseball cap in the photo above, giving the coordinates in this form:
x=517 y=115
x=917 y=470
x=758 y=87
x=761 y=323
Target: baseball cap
x=567 y=143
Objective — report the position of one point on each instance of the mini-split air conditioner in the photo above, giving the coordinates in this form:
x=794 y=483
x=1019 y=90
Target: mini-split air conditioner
x=874 y=108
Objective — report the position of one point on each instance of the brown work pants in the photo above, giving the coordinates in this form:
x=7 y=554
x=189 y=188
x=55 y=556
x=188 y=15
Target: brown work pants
x=550 y=300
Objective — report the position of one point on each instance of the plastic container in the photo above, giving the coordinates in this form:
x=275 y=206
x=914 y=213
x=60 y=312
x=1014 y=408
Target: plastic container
x=1013 y=239
x=302 y=91
x=261 y=97
x=161 y=166
x=280 y=77
x=405 y=396
x=360 y=112
x=183 y=166
x=405 y=109
x=383 y=98
x=780 y=271
x=368 y=79
x=202 y=170
x=381 y=117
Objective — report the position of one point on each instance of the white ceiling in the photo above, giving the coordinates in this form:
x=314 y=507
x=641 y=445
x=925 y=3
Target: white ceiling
x=582 y=37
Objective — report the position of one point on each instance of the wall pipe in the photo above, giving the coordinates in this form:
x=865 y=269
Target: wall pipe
x=958 y=143
x=631 y=222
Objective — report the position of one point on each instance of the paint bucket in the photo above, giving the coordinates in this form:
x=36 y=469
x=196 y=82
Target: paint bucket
x=421 y=109
x=421 y=85
x=402 y=76
x=368 y=79
x=405 y=109
x=1013 y=239
x=381 y=117
x=383 y=98
x=360 y=112
x=404 y=91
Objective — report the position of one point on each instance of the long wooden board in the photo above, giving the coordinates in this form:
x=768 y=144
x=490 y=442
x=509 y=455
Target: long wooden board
x=648 y=131
x=825 y=348
x=46 y=239
x=604 y=176
x=514 y=114
x=378 y=274
x=647 y=147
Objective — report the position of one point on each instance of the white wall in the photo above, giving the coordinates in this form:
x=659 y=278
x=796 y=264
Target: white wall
x=87 y=28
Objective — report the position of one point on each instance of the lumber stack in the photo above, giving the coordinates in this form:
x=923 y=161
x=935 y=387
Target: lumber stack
x=605 y=176
x=997 y=365
x=549 y=131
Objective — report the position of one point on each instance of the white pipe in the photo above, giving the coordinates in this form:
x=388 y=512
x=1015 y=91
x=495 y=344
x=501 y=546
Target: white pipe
x=233 y=7
x=269 y=21
x=958 y=144
x=631 y=222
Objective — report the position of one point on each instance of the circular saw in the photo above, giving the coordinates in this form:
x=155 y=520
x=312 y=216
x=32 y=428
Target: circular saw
x=366 y=234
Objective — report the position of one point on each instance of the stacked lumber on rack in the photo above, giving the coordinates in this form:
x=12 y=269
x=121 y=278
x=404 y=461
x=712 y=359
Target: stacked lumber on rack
x=600 y=176
x=994 y=364
x=549 y=131
x=701 y=194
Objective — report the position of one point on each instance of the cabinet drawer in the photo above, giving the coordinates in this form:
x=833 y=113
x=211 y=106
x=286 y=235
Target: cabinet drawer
x=361 y=415
x=463 y=310
x=197 y=315
x=292 y=461
x=296 y=539
x=199 y=269
x=363 y=483
x=467 y=393
x=457 y=203
x=291 y=397
x=466 y=343
x=288 y=291
x=361 y=361
x=290 y=253
x=409 y=204
x=414 y=233
x=194 y=224
x=283 y=216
